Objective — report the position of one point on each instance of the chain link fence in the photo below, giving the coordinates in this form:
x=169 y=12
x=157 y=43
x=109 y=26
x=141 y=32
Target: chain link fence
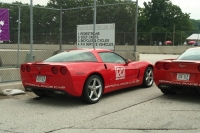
x=177 y=38
x=38 y=32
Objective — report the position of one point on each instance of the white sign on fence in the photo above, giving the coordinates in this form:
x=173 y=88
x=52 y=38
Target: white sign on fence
x=104 y=36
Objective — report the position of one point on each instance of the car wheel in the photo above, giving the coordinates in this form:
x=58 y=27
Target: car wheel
x=39 y=93
x=148 y=77
x=92 y=90
x=167 y=91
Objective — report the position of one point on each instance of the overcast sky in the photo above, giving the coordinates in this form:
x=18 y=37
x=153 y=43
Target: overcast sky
x=187 y=6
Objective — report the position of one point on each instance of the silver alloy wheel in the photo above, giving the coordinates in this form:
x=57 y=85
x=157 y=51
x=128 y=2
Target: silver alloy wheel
x=149 y=77
x=95 y=89
x=92 y=90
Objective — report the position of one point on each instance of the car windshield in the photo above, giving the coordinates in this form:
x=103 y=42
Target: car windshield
x=193 y=54
x=73 y=56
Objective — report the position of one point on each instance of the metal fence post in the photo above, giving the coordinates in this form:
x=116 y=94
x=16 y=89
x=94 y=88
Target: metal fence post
x=181 y=39
x=150 y=38
x=19 y=21
x=61 y=19
x=94 y=23
x=124 y=38
x=31 y=30
x=173 y=34
x=198 y=35
x=136 y=19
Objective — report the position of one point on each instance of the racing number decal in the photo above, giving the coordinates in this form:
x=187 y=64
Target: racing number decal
x=120 y=72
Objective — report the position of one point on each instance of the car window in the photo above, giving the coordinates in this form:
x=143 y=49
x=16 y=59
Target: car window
x=73 y=56
x=190 y=55
x=111 y=57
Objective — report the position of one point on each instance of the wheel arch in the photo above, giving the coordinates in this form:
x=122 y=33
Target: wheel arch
x=94 y=73
x=144 y=83
x=150 y=65
x=142 y=71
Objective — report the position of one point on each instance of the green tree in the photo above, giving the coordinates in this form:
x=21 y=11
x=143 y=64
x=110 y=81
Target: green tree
x=162 y=16
x=196 y=25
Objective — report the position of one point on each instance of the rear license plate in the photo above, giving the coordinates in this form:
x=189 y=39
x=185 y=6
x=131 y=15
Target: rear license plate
x=183 y=76
x=40 y=78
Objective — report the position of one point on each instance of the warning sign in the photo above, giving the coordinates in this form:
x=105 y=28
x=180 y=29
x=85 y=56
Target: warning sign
x=104 y=36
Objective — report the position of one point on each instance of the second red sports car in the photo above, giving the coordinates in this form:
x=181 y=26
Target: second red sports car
x=86 y=73
x=181 y=74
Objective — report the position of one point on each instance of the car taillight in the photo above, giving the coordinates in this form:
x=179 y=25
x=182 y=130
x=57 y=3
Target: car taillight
x=23 y=68
x=28 y=68
x=199 y=67
x=63 y=70
x=159 y=66
x=54 y=70
x=166 y=66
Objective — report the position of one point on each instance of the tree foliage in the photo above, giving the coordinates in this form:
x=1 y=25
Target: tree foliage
x=196 y=25
x=162 y=16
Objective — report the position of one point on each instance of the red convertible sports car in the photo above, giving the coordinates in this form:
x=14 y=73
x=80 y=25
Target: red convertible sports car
x=181 y=74
x=85 y=73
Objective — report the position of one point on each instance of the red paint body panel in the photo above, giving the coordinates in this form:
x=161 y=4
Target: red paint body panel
x=170 y=76
x=77 y=73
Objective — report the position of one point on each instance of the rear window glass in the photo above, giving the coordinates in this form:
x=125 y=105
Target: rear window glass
x=73 y=56
x=190 y=55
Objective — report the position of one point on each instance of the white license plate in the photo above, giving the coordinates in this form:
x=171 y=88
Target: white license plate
x=183 y=76
x=40 y=78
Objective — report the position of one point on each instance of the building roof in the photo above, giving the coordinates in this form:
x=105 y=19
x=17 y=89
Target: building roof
x=194 y=37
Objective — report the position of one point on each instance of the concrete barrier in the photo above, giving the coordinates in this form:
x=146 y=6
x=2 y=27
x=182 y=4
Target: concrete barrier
x=54 y=47
x=145 y=49
x=9 y=74
x=11 y=57
x=170 y=49
x=135 y=56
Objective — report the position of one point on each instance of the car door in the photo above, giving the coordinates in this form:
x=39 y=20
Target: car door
x=121 y=74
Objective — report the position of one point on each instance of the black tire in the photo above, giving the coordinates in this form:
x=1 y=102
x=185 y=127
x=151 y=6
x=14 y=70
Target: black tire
x=92 y=90
x=148 y=77
x=168 y=91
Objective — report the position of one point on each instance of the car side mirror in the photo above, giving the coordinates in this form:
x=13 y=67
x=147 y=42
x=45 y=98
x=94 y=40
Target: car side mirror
x=128 y=61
